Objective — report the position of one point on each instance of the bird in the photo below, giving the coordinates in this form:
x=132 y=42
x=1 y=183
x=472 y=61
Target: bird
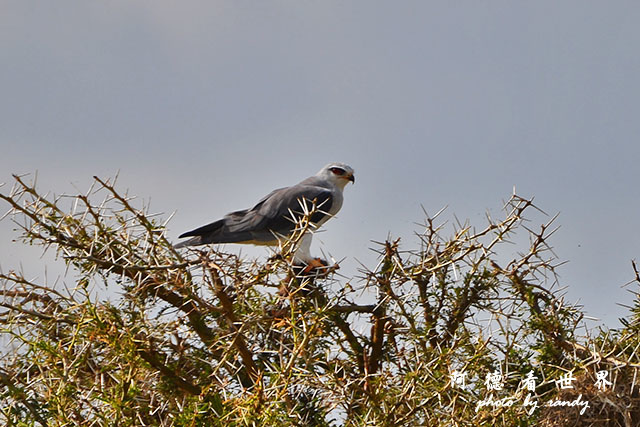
x=275 y=215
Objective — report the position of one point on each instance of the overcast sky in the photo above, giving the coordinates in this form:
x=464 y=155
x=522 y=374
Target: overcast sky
x=204 y=107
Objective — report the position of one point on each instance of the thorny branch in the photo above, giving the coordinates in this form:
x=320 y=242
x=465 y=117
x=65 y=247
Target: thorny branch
x=204 y=337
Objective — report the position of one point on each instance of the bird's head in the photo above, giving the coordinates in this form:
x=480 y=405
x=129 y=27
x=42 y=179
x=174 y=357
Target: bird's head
x=338 y=173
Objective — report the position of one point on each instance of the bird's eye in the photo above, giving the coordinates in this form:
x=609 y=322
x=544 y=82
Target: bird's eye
x=337 y=171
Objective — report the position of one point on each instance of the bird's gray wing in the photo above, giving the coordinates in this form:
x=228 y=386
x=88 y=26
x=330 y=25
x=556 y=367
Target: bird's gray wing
x=278 y=212
x=270 y=216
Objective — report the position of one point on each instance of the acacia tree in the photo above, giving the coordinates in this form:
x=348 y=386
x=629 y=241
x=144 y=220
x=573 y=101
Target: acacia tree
x=203 y=337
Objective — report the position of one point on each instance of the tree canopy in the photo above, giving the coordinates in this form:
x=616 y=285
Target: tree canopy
x=455 y=331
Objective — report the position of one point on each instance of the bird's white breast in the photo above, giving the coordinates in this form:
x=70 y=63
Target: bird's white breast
x=336 y=204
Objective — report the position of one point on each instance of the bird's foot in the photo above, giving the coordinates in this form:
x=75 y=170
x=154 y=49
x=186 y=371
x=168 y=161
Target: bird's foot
x=318 y=266
x=315 y=263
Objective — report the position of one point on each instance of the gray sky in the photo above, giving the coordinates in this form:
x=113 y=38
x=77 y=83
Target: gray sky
x=204 y=107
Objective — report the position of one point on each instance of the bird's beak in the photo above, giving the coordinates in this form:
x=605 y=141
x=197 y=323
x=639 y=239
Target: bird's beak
x=352 y=178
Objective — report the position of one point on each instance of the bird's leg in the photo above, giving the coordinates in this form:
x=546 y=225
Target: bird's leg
x=302 y=254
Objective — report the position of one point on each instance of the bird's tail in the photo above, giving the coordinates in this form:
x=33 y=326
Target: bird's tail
x=202 y=235
x=195 y=241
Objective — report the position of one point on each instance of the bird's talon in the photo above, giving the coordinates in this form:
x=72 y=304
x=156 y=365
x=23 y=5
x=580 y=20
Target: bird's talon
x=318 y=264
